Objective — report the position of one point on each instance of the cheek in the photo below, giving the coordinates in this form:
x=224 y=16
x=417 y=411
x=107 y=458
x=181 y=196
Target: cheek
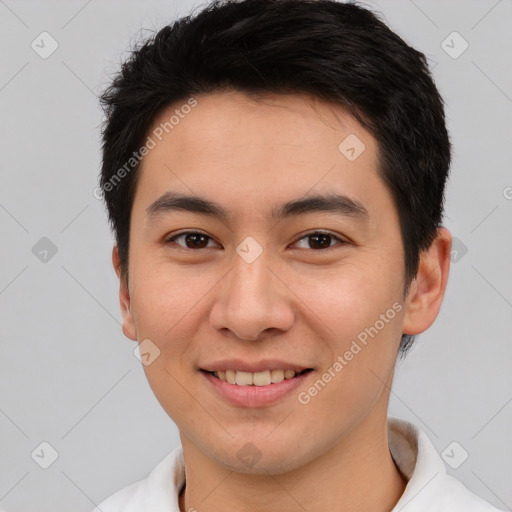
x=163 y=304
x=339 y=305
x=361 y=313
x=166 y=310
x=352 y=299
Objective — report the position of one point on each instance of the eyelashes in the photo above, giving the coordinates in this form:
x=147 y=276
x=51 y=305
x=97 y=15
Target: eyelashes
x=200 y=240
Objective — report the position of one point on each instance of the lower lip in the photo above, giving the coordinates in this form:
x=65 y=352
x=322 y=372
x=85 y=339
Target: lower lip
x=255 y=396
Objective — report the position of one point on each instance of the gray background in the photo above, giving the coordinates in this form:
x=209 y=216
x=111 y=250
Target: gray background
x=69 y=377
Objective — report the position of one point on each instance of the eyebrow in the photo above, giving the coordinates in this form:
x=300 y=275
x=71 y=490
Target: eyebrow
x=340 y=204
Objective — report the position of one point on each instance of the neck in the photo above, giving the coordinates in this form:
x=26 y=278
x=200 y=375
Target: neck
x=358 y=473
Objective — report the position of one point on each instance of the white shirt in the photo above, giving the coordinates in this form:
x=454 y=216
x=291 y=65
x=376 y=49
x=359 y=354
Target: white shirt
x=429 y=488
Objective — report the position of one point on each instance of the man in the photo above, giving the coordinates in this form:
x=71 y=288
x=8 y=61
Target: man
x=274 y=173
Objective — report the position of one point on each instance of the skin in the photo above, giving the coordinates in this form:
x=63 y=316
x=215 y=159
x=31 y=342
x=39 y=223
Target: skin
x=295 y=302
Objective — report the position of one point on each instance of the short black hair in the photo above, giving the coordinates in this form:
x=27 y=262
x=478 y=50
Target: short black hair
x=338 y=52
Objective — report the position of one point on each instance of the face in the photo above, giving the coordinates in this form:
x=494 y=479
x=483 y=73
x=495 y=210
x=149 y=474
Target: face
x=314 y=287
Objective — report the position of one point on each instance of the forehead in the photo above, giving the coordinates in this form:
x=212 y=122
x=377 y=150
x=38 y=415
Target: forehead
x=257 y=150
x=226 y=119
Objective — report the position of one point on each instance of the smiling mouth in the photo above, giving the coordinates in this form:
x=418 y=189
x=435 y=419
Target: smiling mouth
x=264 y=378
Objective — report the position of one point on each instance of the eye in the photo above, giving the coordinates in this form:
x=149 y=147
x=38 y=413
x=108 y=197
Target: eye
x=320 y=240
x=192 y=239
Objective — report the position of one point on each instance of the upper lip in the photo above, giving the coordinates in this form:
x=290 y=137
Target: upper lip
x=253 y=367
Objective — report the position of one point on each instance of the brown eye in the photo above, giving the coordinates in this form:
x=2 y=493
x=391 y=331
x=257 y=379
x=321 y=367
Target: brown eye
x=316 y=240
x=192 y=240
x=319 y=240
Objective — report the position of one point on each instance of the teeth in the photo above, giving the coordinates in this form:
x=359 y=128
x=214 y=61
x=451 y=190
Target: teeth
x=244 y=378
x=289 y=374
x=276 y=376
x=261 y=378
x=255 y=379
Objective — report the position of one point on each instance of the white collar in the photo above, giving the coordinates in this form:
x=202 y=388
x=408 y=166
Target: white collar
x=429 y=488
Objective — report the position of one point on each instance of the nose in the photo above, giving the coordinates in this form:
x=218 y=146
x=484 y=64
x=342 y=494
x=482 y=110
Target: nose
x=253 y=301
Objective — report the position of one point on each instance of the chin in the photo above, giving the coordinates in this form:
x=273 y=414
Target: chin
x=260 y=455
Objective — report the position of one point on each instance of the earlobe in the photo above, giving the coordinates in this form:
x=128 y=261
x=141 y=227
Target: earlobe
x=426 y=293
x=129 y=329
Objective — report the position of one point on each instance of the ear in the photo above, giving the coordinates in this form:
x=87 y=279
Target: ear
x=129 y=329
x=427 y=290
